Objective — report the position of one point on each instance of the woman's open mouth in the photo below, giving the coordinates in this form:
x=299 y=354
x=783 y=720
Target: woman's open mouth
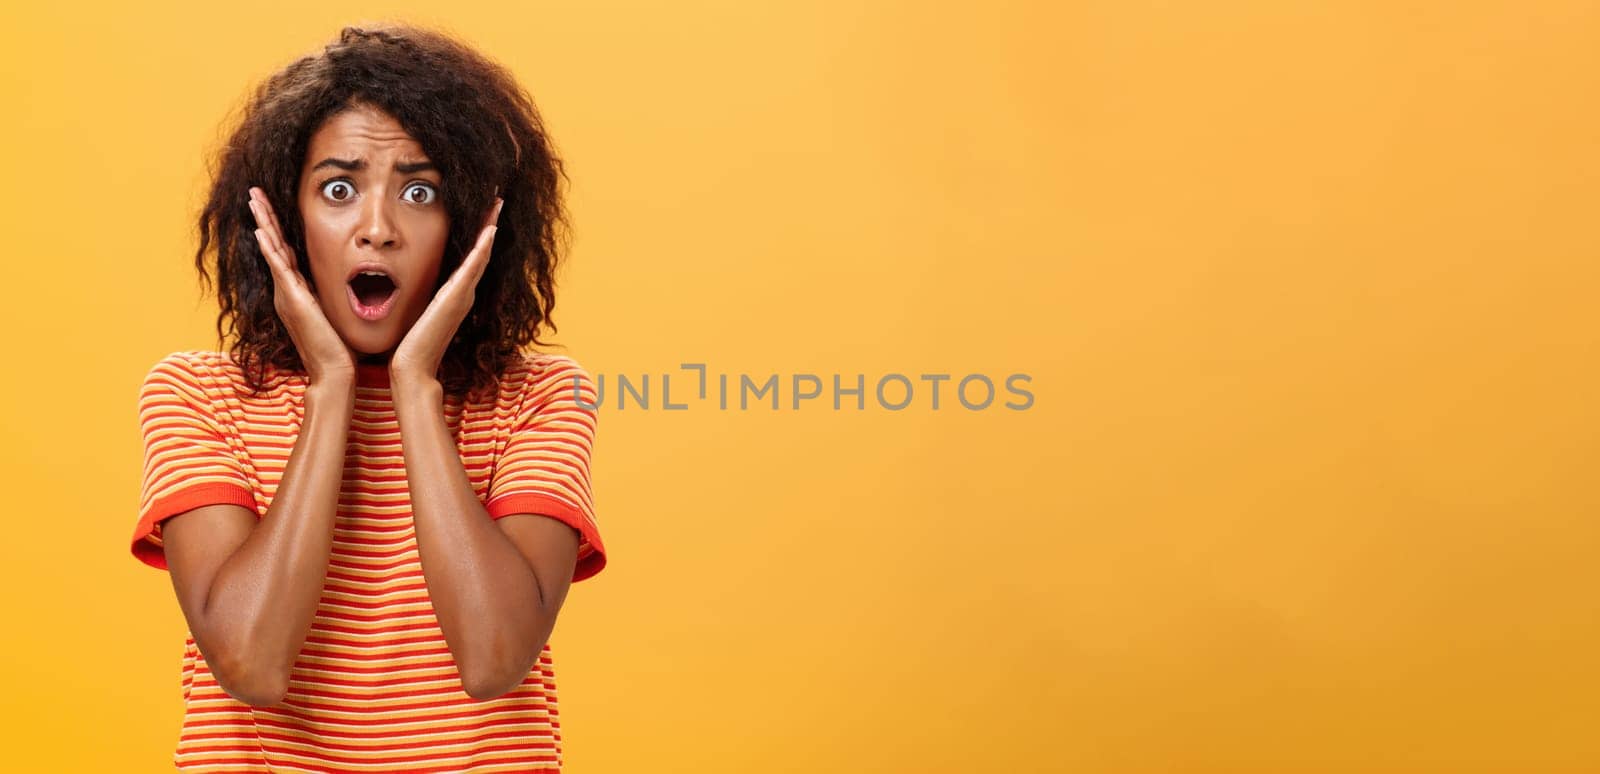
x=372 y=295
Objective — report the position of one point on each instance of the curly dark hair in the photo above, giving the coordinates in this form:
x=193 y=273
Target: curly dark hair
x=475 y=123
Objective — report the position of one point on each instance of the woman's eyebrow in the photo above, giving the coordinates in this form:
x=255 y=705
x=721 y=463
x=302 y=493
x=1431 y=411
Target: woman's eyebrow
x=360 y=164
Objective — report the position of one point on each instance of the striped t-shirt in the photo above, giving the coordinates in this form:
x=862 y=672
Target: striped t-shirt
x=374 y=688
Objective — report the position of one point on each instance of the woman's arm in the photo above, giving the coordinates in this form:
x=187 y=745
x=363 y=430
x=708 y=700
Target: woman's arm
x=496 y=588
x=249 y=588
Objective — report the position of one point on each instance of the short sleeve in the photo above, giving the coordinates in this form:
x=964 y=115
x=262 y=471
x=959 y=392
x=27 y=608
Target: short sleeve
x=187 y=459
x=544 y=468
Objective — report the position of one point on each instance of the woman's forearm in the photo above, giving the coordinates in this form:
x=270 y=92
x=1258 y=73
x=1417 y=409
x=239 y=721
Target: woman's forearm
x=492 y=612
x=259 y=608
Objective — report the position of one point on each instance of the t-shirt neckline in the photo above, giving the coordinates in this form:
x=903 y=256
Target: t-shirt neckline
x=372 y=374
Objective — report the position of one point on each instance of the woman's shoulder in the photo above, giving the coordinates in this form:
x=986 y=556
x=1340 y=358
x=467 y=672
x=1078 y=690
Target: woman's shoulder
x=185 y=377
x=542 y=372
x=193 y=363
x=546 y=364
x=209 y=370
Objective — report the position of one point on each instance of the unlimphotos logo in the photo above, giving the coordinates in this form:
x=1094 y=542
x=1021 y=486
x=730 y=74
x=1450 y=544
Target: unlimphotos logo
x=892 y=391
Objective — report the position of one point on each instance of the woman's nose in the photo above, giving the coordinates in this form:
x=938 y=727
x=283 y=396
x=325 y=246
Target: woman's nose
x=377 y=228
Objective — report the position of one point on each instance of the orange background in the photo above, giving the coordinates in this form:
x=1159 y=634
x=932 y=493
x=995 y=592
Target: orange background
x=1306 y=292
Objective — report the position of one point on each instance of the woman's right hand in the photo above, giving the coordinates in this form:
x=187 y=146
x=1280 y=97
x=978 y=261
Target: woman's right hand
x=324 y=355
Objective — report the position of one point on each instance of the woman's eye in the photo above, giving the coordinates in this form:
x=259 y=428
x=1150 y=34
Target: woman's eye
x=421 y=193
x=338 y=190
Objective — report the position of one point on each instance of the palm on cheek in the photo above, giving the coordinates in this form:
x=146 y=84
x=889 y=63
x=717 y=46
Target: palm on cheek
x=321 y=351
x=422 y=350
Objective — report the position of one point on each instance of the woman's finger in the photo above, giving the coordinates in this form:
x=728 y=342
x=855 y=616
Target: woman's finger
x=263 y=232
x=281 y=275
x=269 y=221
x=274 y=232
x=272 y=239
x=268 y=249
x=488 y=249
x=263 y=227
x=257 y=210
x=485 y=245
x=494 y=215
x=277 y=228
x=280 y=265
x=472 y=268
x=267 y=252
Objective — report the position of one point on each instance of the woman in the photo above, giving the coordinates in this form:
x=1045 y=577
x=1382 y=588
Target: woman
x=373 y=504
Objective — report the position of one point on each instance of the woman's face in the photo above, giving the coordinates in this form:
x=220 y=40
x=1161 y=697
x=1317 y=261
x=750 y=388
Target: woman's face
x=371 y=201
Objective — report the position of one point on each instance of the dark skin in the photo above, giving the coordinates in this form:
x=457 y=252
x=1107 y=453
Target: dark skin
x=249 y=587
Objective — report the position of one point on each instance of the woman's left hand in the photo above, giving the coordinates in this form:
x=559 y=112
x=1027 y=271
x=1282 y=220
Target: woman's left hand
x=422 y=350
